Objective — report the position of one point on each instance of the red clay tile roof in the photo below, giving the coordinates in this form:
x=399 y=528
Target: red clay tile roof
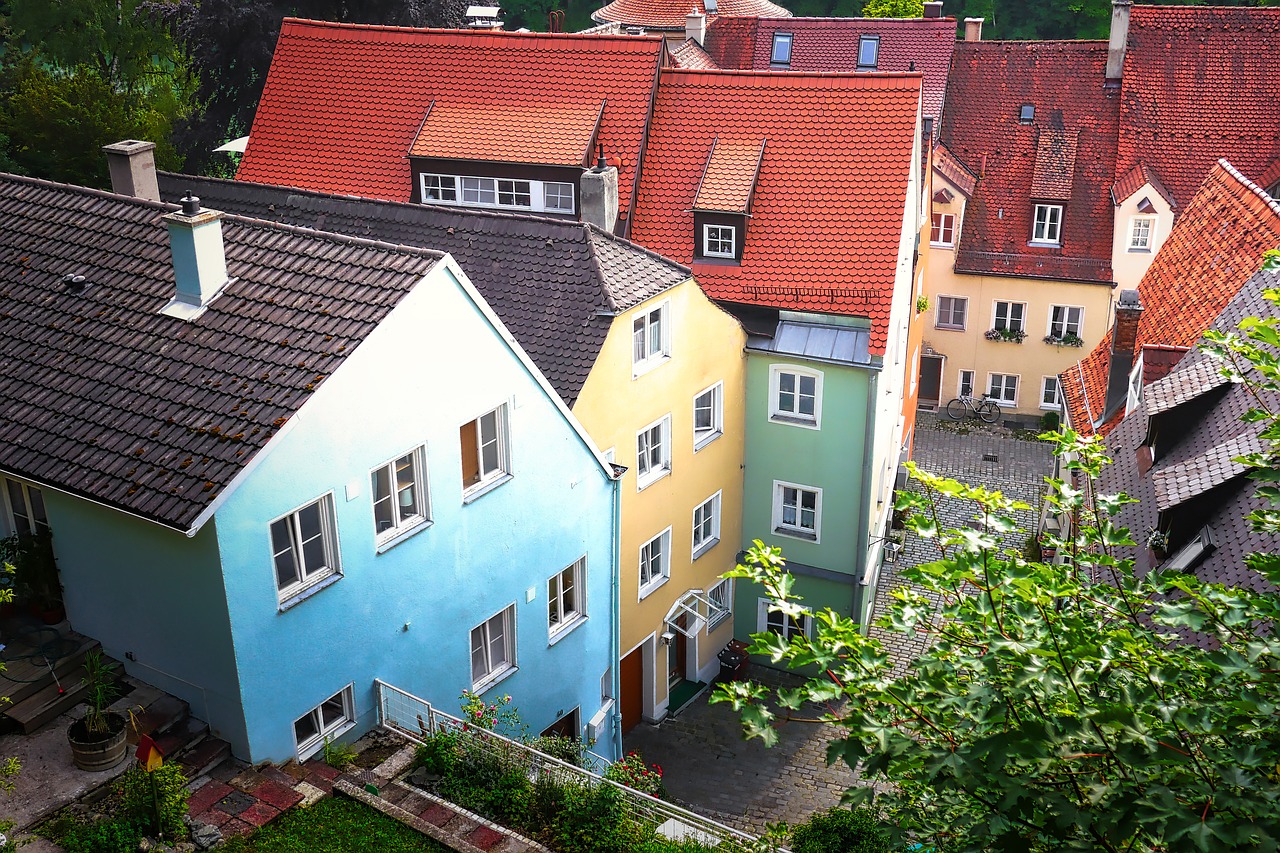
x=730 y=177
x=343 y=103
x=1200 y=84
x=671 y=14
x=1055 y=165
x=831 y=44
x=1270 y=175
x=555 y=135
x=690 y=54
x=990 y=83
x=1212 y=251
x=953 y=170
x=1135 y=179
x=826 y=222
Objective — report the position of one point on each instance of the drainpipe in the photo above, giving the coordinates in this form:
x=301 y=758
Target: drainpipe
x=862 y=569
x=615 y=604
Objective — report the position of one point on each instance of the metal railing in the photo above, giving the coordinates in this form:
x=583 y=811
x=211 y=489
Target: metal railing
x=414 y=719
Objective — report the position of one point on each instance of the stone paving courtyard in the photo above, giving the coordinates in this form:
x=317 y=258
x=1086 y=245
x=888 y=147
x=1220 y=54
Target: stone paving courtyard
x=707 y=764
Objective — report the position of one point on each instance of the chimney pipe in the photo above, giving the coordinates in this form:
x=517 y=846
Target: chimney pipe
x=973 y=29
x=1119 y=42
x=695 y=26
x=132 y=164
x=199 y=259
x=933 y=8
x=1124 y=345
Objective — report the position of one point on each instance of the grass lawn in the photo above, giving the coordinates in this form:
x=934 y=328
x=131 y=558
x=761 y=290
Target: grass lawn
x=333 y=825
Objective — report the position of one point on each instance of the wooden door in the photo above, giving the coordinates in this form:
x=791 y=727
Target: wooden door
x=930 y=380
x=631 y=685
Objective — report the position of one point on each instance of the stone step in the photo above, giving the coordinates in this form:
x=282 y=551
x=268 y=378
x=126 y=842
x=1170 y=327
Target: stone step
x=204 y=756
x=51 y=700
x=27 y=669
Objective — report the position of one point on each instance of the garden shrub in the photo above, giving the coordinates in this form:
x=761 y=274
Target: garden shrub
x=109 y=836
x=438 y=754
x=631 y=771
x=1049 y=421
x=510 y=800
x=156 y=801
x=840 y=831
x=595 y=820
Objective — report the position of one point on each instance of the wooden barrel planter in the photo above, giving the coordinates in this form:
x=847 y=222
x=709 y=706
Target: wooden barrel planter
x=98 y=752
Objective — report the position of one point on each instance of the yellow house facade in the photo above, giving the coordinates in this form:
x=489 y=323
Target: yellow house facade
x=665 y=400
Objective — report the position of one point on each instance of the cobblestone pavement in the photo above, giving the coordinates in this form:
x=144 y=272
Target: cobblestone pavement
x=707 y=765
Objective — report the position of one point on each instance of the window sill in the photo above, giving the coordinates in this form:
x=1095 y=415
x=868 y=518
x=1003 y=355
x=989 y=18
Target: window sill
x=948 y=328
x=315 y=746
x=494 y=678
x=1045 y=244
x=482 y=489
x=653 y=587
x=392 y=541
x=806 y=535
x=297 y=597
x=789 y=420
x=640 y=368
x=1131 y=250
x=699 y=443
x=650 y=479
x=564 y=630
x=705 y=547
x=933 y=245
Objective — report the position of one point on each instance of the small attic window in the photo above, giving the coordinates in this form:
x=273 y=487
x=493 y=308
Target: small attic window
x=1026 y=114
x=868 y=53
x=711 y=6
x=1193 y=552
x=781 y=54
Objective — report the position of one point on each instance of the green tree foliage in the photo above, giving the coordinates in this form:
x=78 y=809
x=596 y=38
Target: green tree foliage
x=893 y=9
x=1060 y=706
x=1077 y=19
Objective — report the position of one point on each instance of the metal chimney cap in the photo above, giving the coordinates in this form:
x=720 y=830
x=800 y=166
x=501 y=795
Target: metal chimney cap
x=1129 y=299
x=190 y=205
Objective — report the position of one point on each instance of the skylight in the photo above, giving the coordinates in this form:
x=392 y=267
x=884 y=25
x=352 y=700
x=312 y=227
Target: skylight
x=868 y=53
x=1027 y=114
x=781 y=54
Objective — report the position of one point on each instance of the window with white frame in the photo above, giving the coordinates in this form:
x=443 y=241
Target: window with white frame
x=1133 y=397
x=493 y=648
x=1142 y=230
x=708 y=415
x=566 y=598
x=304 y=547
x=653 y=452
x=473 y=191
x=1050 y=393
x=797 y=510
x=650 y=338
x=485 y=460
x=965 y=385
x=1011 y=316
x=706 y=525
x=26 y=508
x=943 y=230
x=951 y=312
x=327 y=720
x=868 y=53
x=795 y=395
x=400 y=499
x=655 y=562
x=719 y=241
x=1003 y=388
x=721 y=598
x=1047 y=225
x=788 y=627
x=781 y=52
x=1065 y=320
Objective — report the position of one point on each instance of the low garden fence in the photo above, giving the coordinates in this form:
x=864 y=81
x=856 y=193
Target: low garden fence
x=414 y=719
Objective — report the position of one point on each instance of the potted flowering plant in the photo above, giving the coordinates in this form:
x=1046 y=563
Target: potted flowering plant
x=1016 y=336
x=1064 y=340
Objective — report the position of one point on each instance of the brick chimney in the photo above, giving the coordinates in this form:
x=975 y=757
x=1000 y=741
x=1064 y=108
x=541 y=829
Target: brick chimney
x=598 y=201
x=1120 y=10
x=973 y=29
x=199 y=259
x=132 y=164
x=695 y=26
x=933 y=8
x=1124 y=345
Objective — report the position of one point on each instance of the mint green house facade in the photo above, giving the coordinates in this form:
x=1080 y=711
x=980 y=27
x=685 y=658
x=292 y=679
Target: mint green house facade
x=811 y=485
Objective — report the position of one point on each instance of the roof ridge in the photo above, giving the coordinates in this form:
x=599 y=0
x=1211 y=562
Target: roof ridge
x=828 y=76
x=1032 y=42
x=1272 y=204
x=655 y=39
x=94 y=191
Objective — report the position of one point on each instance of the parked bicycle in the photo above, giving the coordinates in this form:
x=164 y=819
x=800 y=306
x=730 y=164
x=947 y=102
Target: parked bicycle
x=985 y=408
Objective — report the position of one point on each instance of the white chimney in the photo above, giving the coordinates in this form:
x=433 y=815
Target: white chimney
x=132 y=164
x=973 y=29
x=1119 y=42
x=933 y=8
x=199 y=260
x=599 y=195
x=695 y=26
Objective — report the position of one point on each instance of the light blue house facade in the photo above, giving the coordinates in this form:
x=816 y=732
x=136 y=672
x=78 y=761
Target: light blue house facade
x=342 y=468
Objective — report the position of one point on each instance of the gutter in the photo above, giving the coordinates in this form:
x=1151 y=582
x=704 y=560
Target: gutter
x=615 y=629
x=862 y=568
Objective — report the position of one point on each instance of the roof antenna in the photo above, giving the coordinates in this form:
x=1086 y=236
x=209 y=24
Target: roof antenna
x=601 y=163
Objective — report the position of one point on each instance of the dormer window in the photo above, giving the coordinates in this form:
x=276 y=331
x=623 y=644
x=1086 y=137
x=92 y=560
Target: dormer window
x=719 y=241
x=1026 y=114
x=1047 y=227
x=781 y=54
x=474 y=191
x=1194 y=551
x=868 y=53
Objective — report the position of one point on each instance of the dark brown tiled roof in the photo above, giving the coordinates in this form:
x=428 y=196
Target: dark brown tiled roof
x=1193 y=479
x=547 y=279
x=107 y=398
